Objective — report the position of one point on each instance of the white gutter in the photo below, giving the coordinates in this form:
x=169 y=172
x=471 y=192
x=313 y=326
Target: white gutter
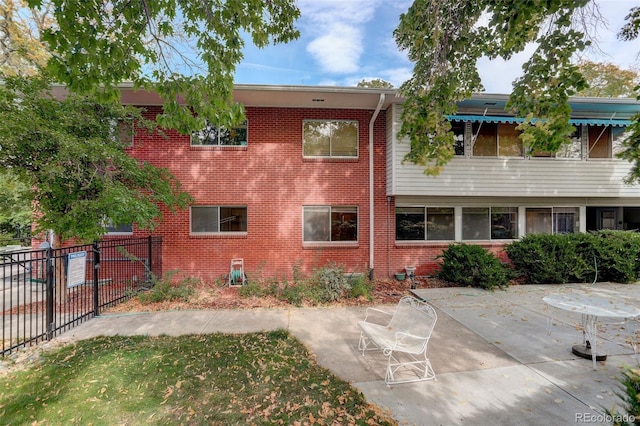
x=371 y=186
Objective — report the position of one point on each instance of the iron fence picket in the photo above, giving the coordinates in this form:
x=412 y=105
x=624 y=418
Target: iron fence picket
x=37 y=304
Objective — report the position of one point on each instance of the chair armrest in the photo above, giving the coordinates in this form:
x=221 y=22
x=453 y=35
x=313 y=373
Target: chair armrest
x=409 y=342
x=375 y=312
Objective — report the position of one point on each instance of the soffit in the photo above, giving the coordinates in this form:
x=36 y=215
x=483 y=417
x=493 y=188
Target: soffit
x=287 y=96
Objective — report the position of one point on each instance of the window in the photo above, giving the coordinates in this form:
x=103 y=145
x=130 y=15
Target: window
x=504 y=223
x=509 y=142
x=484 y=223
x=420 y=224
x=218 y=219
x=125 y=229
x=475 y=223
x=410 y=223
x=556 y=220
x=565 y=220
x=491 y=140
x=573 y=149
x=126 y=131
x=213 y=135
x=538 y=221
x=618 y=138
x=330 y=138
x=485 y=139
x=599 y=142
x=457 y=127
x=330 y=224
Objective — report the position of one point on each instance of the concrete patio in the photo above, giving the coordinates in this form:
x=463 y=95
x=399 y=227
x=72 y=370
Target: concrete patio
x=494 y=360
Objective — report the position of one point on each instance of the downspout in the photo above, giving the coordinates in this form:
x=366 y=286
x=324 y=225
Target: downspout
x=371 y=186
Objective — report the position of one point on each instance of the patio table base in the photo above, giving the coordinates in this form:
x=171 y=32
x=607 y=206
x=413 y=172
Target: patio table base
x=584 y=351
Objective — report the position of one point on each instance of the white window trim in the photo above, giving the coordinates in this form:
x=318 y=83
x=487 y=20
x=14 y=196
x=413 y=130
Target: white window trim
x=244 y=125
x=456 y=224
x=332 y=243
x=350 y=157
x=221 y=233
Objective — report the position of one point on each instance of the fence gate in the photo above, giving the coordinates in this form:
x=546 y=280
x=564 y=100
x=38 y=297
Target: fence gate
x=48 y=291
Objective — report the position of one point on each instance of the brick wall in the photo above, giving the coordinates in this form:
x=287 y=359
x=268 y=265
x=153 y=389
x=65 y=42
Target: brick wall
x=273 y=180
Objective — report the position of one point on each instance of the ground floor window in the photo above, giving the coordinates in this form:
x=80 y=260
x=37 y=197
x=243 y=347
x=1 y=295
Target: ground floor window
x=218 y=219
x=425 y=223
x=489 y=223
x=330 y=223
x=552 y=220
x=123 y=229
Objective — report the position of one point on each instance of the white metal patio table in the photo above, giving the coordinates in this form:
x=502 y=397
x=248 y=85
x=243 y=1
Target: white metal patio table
x=591 y=308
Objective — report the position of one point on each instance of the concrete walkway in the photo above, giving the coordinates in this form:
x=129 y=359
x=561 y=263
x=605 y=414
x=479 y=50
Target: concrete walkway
x=495 y=363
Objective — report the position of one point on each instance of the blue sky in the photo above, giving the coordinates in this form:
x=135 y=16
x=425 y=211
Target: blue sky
x=345 y=41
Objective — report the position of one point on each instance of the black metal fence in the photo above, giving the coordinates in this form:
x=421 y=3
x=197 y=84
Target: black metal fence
x=48 y=291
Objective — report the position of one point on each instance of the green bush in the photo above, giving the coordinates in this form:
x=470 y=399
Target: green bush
x=557 y=259
x=165 y=289
x=327 y=284
x=331 y=282
x=361 y=286
x=472 y=265
x=252 y=288
x=630 y=396
x=564 y=258
x=617 y=255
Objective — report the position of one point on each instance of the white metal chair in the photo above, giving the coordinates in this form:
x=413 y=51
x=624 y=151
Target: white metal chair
x=403 y=339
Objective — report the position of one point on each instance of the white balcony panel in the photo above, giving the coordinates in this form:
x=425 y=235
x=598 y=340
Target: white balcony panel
x=512 y=177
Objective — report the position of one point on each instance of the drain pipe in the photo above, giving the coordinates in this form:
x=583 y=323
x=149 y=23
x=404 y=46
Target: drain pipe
x=372 y=186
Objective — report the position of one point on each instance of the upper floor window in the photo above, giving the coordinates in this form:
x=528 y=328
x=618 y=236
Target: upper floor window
x=458 y=129
x=125 y=131
x=605 y=141
x=571 y=149
x=218 y=219
x=213 y=135
x=496 y=140
x=420 y=224
x=330 y=223
x=324 y=138
x=599 y=142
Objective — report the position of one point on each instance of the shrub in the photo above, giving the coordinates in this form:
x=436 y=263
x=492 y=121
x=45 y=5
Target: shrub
x=562 y=258
x=252 y=288
x=617 y=255
x=471 y=265
x=630 y=396
x=361 y=286
x=331 y=283
x=557 y=259
x=327 y=284
x=166 y=290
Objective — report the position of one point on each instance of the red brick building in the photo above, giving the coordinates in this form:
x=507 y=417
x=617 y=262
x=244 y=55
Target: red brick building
x=316 y=175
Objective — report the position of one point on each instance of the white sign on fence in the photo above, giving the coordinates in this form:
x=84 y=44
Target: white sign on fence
x=76 y=268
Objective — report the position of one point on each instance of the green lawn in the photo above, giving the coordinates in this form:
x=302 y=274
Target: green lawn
x=259 y=378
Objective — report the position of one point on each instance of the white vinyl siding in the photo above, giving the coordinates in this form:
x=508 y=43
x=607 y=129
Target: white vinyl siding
x=507 y=177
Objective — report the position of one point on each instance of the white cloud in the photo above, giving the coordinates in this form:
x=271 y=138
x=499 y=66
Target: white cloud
x=336 y=28
x=326 y=12
x=497 y=75
x=397 y=76
x=607 y=47
x=339 y=50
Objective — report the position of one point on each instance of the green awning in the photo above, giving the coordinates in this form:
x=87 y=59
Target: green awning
x=512 y=119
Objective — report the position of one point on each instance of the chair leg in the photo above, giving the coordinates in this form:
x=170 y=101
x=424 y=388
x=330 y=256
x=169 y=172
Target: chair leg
x=421 y=368
x=363 y=343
